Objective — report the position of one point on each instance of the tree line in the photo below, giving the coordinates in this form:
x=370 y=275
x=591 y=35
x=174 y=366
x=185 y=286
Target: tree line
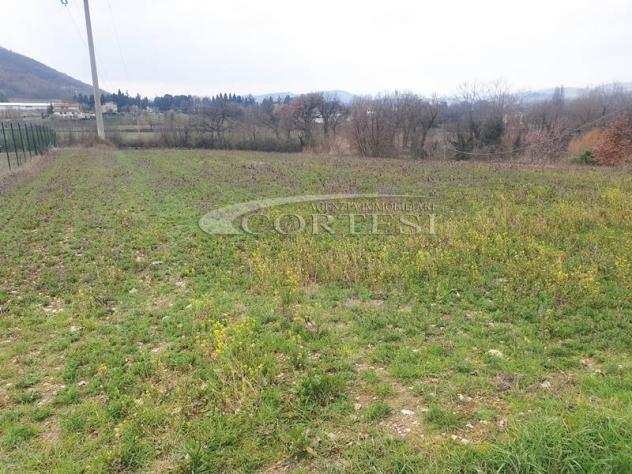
x=183 y=103
x=480 y=121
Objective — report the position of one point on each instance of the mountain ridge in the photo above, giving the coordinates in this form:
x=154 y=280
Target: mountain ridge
x=24 y=78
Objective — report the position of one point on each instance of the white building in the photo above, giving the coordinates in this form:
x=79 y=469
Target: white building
x=60 y=108
x=66 y=108
x=33 y=107
x=109 y=108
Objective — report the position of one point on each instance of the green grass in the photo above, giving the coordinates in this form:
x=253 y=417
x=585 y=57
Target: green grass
x=377 y=411
x=132 y=341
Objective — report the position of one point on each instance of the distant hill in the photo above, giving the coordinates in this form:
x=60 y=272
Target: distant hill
x=569 y=92
x=24 y=78
x=342 y=96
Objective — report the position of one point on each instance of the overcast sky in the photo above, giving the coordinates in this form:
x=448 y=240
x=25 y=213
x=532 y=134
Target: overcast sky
x=203 y=47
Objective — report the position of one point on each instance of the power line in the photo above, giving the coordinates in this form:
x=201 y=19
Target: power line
x=104 y=72
x=93 y=63
x=74 y=22
x=118 y=41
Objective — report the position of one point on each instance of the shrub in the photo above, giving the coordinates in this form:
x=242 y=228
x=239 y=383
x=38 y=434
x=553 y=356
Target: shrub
x=586 y=158
x=492 y=131
x=615 y=146
x=544 y=145
x=585 y=142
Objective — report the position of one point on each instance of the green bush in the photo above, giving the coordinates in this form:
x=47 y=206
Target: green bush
x=586 y=158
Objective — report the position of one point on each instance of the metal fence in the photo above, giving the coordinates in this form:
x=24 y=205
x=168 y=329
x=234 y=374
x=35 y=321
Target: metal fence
x=19 y=141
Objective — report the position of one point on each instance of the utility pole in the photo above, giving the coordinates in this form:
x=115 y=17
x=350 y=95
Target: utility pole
x=95 y=77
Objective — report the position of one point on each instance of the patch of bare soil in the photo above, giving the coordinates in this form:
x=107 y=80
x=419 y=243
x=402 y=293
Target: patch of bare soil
x=48 y=390
x=405 y=420
x=364 y=304
x=51 y=433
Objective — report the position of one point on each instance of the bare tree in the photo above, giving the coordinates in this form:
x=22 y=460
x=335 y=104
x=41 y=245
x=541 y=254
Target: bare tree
x=416 y=116
x=374 y=126
x=333 y=113
x=285 y=113
x=215 y=117
x=304 y=110
x=269 y=116
x=477 y=119
x=251 y=121
x=596 y=103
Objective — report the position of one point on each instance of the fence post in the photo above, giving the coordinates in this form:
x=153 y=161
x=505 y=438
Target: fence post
x=15 y=148
x=6 y=146
x=22 y=140
x=39 y=137
x=28 y=140
x=34 y=138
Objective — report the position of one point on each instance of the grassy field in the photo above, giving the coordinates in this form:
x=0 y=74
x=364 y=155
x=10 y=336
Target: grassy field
x=132 y=341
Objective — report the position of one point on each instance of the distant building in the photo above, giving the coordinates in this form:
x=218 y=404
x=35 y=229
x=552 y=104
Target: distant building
x=109 y=108
x=59 y=108
x=66 y=108
x=25 y=107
